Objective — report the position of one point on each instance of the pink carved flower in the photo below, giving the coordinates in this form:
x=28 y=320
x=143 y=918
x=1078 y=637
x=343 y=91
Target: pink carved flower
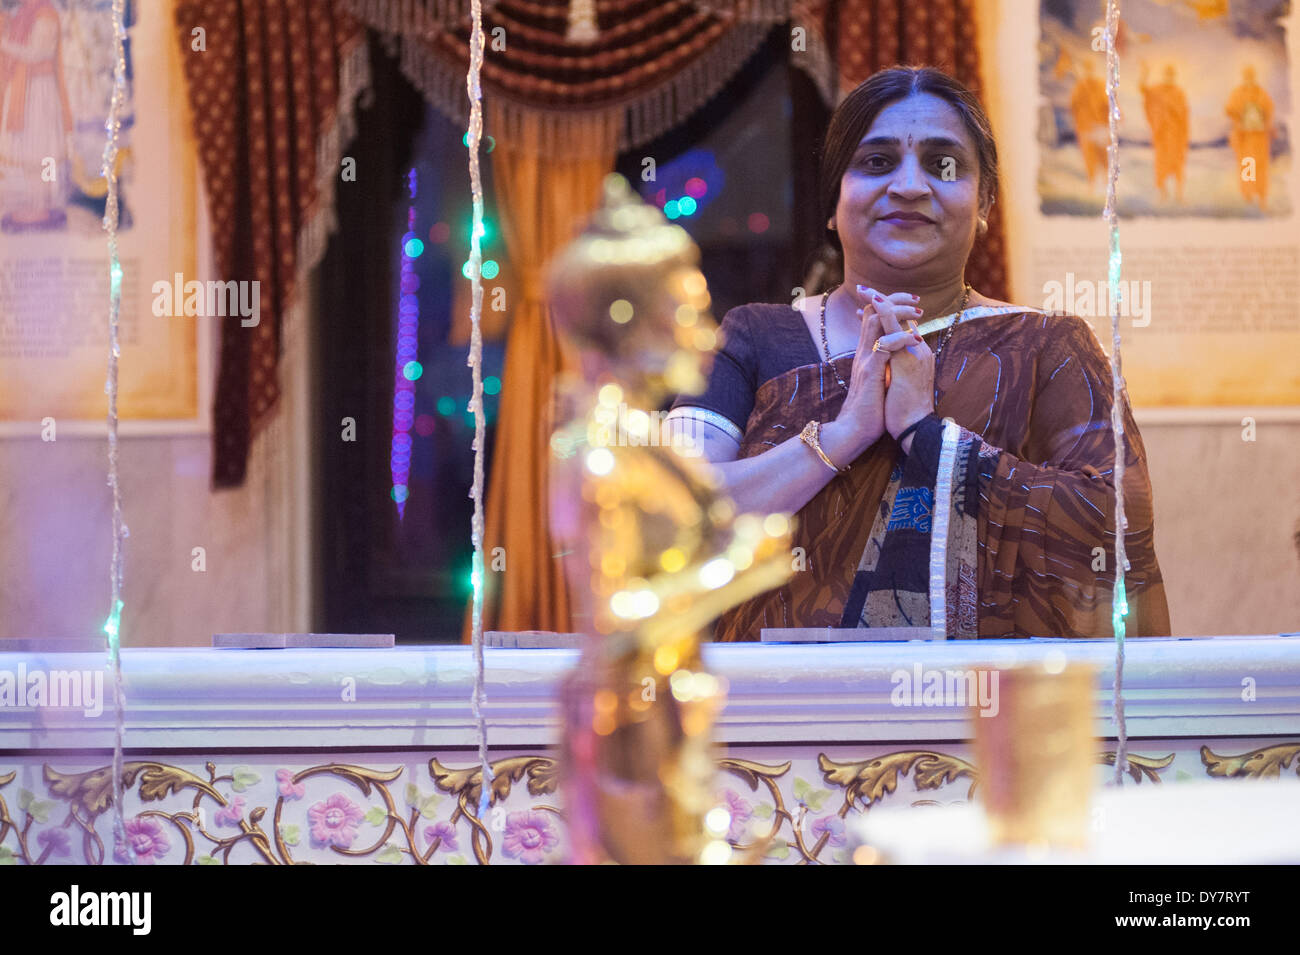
x=288 y=788
x=147 y=838
x=334 y=822
x=833 y=826
x=444 y=831
x=58 y=841
x=231 y=813
x=741 y=814
x=529 y=836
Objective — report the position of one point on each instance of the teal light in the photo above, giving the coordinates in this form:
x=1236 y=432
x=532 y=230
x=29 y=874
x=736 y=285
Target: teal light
x=413 y=248
x=686 y=206
x=399 y=493
x=467 y=269
x=413 y=371
x=116 y=277
x=113 y=625
x=446 y=406
x=490 y=269
x=492 y=385
x=671 y=209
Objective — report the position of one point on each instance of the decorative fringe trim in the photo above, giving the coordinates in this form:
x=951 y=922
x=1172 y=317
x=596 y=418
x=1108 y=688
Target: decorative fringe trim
x=655 y=112
x=749 y=11
x=321 y=220
x=405 y=22
x=819 y=64
x=640 y=120
x=412 y=17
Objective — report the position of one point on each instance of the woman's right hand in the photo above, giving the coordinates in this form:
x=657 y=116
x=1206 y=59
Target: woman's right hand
x=862 y=416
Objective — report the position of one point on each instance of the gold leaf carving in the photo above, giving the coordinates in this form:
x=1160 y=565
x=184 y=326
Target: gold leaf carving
x=1139 y=766
x=933 y=770
x=543 y=777
x=93 y=790
x=542 y=774
x=1265 y=763
x=752 y=772
x=869 y=781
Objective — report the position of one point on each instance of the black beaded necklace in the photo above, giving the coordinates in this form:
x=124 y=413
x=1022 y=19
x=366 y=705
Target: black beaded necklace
x=961 y=307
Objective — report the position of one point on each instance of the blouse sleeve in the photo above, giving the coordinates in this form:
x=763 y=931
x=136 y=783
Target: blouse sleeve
x=728 y=398
x=1046 y=521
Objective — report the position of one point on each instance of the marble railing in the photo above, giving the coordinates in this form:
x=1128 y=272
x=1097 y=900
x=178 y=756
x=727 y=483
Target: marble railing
x=367 y=756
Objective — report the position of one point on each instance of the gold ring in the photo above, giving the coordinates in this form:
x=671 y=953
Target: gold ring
x=876 y=346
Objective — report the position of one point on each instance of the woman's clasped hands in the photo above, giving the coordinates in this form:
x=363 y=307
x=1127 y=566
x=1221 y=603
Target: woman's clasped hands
x=892 y=383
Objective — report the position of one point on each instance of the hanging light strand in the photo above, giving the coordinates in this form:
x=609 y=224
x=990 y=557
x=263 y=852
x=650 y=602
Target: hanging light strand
x=113 y=626
x=408 y=367
x=1119 y=600
x=476 y=43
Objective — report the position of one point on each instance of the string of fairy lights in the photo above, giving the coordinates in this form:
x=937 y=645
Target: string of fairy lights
x=113 y=626
x=472 y=83
x=409 y=369
x=1119 y=600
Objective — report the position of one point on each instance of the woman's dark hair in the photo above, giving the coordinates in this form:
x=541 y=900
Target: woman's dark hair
x=854 y=116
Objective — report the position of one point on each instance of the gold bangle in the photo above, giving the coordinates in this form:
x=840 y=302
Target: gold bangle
x=811 y=436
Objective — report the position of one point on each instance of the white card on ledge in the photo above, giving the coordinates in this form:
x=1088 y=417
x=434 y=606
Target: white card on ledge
x=299 y=641
x=844 y=634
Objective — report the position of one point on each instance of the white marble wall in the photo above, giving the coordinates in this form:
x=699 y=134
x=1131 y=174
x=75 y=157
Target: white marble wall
x=56 y=542
x=1228 y=525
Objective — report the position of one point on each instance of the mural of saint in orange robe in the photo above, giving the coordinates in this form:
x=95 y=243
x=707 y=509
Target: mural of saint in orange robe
x=35 y=118
x=1088 y=105
x=1251 y=110
x=1166 y=108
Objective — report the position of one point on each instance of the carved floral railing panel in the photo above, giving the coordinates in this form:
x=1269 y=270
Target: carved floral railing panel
x=405 y=809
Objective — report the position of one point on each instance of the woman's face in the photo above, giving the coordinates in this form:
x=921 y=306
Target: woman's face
x=909 y=200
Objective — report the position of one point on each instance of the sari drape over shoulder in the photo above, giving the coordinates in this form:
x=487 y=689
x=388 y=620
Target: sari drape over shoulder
x=1030 y=503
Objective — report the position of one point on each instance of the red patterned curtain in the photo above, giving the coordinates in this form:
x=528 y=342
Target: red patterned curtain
x=271 y=84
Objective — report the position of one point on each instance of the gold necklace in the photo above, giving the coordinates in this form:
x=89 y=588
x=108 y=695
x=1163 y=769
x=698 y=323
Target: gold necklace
x=965 y=297
x=825 y=344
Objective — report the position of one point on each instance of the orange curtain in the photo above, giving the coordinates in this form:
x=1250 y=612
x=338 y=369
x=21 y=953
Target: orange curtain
x=543 y=201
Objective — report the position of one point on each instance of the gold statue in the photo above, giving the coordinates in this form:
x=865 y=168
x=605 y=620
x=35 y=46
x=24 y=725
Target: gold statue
x=653 y=551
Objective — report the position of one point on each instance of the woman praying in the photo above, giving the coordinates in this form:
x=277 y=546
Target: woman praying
x=834 y=409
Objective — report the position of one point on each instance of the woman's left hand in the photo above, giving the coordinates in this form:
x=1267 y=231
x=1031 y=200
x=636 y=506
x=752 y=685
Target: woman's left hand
x=909 y=396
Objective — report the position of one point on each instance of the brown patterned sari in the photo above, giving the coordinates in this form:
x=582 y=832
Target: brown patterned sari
x=1032 y=505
